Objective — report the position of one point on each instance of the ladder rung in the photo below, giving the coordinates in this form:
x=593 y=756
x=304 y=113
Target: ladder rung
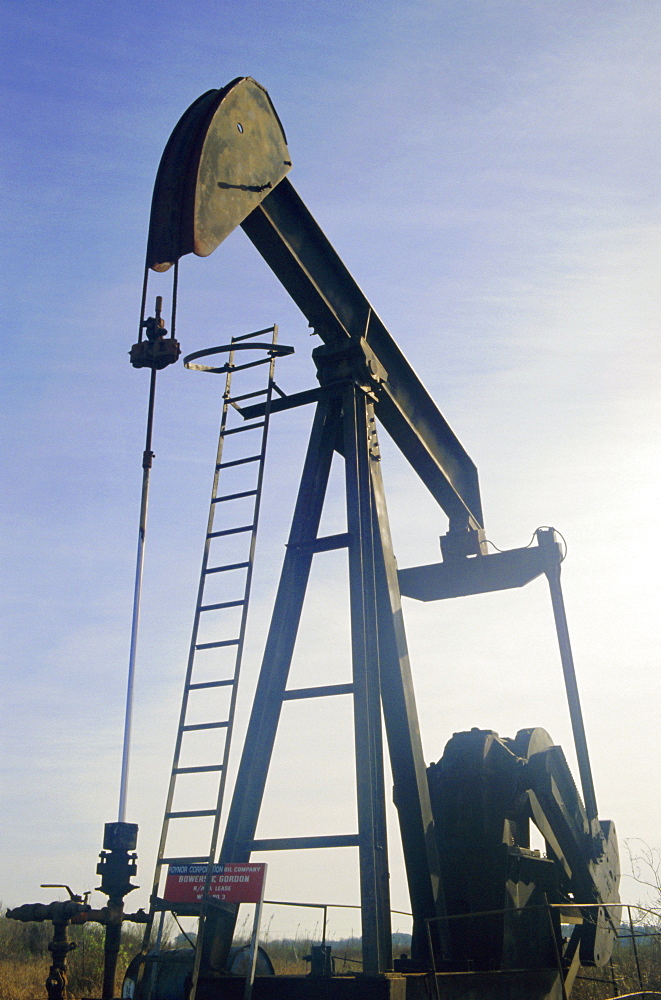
x=263 y=397
x=230 y=531
x=317 y=692
x=238 y=430
x=190 y=814
x=184 y=861
x=285 y=402
x=256 y=333
x=195 y=727
x=238 y=461
x=298 y=843
x=224 y=569
x=217 y=645
x=250 y=364
x=210 y=684
x=224 y=604
x=197 y=770
x=247 y=395
x=234 y=496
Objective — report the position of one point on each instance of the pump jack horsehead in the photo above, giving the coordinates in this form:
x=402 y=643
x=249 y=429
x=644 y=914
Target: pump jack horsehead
x=482 y=901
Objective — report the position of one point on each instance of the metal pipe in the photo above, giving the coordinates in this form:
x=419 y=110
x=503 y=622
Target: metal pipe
x=546 y=540
x=635 y=948
x=147 y=457
x=113 y=939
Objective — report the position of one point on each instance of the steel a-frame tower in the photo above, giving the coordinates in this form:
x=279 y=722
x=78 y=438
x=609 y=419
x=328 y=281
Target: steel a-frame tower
x=344 y=421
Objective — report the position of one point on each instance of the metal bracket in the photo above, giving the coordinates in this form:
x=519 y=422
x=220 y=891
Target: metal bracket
x=459 y=543
x=353 y=359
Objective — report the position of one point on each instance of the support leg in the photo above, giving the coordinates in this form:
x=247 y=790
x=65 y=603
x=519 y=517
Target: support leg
x=374 y=874
x=546 y=541
x=411 y=790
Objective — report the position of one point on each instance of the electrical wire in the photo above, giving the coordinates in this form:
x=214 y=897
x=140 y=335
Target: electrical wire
x=542 y=527
x=189 y=939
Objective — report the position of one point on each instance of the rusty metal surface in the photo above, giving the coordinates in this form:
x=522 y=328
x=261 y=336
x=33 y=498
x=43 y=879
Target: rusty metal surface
x=226 y=153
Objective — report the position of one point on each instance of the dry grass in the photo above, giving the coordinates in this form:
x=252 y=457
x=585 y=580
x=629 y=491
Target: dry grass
x=22 y=979
x=24 y=963
x=622 y=976
x=25 y=960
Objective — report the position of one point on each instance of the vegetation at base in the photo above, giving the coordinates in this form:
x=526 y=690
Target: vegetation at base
x=24 y=959
x=288 y=955
x=620 y=977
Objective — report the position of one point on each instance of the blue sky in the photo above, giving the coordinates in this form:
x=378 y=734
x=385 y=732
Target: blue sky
x=489 y=173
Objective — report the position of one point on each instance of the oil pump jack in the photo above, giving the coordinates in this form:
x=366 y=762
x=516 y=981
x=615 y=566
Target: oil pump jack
x=490 y=915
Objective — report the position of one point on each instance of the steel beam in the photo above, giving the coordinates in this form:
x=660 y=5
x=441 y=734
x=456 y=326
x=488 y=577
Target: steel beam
x=549 y=546
x=480 y=574
x=410 y=787
x=290 y=241
x=373 y=850
x=224 y=166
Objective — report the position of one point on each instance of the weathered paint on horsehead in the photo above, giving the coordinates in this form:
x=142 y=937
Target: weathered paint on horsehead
x=228 y=151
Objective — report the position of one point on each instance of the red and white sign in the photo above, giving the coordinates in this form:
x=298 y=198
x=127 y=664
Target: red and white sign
x=233 y=883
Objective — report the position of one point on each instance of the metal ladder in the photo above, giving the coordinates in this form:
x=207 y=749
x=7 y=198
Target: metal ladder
x=231 y=637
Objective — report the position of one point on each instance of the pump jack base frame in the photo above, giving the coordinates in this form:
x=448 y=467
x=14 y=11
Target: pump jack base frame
x=500 y=985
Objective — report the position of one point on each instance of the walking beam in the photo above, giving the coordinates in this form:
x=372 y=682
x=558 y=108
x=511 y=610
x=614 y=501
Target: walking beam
x=225 y=165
